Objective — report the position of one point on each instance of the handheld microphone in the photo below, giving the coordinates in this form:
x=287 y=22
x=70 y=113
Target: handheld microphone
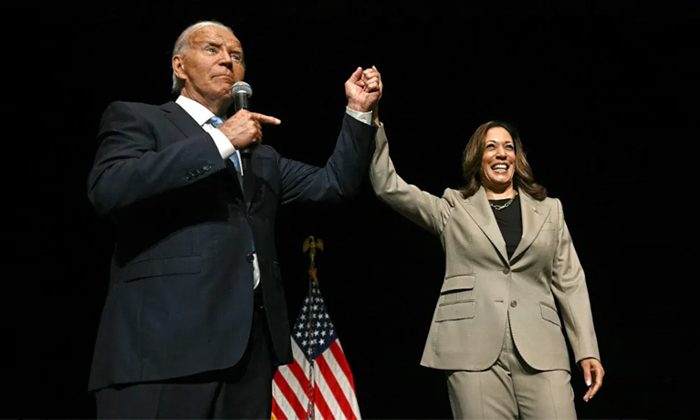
x=241 y=93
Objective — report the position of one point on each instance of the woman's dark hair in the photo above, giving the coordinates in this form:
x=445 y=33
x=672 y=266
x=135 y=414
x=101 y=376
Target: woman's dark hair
x=471 y=163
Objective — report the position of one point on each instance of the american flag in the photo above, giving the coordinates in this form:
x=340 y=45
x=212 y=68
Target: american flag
x=319 y=384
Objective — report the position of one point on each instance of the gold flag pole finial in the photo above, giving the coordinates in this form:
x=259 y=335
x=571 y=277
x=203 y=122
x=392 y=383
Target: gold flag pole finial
x=311 y=244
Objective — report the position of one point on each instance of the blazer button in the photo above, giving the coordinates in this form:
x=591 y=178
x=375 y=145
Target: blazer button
x=249 y=258
x=513 y=303
x=506 y=270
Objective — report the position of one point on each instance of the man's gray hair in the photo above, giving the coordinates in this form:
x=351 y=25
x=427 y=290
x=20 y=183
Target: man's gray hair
x=182 y=45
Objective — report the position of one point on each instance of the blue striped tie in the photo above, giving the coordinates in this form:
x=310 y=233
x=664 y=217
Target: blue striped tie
x=217 y=122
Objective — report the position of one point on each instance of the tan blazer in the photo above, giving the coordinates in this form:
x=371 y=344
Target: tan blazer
x=541 y=285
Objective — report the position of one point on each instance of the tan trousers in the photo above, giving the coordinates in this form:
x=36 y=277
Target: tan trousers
x=510 y=389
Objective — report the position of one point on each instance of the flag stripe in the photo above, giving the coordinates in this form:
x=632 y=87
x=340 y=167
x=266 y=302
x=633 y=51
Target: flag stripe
x=301 y=377
x=333 y=385
x=343 y=381
x=339 y=355
x=323 y=409
x=323 y=389
x=277 y=413
x=285 y=407
x=290 y=396
x=295 y=387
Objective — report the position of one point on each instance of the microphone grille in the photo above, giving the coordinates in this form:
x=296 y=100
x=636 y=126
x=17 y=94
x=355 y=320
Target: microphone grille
x=241 y=87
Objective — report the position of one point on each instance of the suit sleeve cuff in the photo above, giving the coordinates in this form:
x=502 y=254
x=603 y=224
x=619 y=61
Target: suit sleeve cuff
x=364 y=117
x=226 y=149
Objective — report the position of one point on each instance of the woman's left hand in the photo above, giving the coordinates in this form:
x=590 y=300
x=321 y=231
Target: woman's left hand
x=593 y=373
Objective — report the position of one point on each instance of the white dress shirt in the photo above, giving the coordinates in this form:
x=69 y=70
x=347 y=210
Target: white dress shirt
x=202 y=116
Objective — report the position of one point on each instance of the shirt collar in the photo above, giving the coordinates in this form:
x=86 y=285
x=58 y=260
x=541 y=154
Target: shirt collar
x=197 y=111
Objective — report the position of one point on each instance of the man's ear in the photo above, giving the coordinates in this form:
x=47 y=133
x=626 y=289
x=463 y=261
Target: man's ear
x=179 y=66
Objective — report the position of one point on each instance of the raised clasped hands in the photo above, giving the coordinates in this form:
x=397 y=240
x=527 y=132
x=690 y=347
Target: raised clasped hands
x=364 y=90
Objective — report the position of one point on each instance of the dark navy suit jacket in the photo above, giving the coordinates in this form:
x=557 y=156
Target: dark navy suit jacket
x=180 y=297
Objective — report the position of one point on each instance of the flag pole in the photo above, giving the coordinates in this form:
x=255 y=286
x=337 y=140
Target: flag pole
x=311 y=245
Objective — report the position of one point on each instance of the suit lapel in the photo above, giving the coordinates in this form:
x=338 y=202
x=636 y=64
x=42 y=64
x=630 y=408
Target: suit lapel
x=250 y=170
x=534 y=214
x=189 y=127
x=181 y=119
x=234 y=174
x=478 y=208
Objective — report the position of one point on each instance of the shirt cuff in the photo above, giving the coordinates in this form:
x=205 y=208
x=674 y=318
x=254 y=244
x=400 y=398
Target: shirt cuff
x=365 y=117
x=225 y=147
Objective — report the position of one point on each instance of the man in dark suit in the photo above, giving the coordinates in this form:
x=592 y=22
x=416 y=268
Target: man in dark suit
x=195 y=321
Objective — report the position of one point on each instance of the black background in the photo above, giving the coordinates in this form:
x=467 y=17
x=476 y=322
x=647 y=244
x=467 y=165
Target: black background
x=603 y=94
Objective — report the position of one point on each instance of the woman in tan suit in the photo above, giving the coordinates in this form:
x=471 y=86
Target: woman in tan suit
x=513 y=283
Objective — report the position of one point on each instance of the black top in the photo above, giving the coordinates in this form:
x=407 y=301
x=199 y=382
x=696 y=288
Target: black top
x=510 y=222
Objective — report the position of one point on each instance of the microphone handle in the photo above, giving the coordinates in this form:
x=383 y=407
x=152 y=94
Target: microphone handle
x=242 y=101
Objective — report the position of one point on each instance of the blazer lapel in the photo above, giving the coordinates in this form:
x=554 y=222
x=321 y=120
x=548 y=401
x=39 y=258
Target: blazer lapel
x=189 y=127
x=478 y=208
x=234 y=174
x=181 y=119
x=534 y=214
x=250 y=169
